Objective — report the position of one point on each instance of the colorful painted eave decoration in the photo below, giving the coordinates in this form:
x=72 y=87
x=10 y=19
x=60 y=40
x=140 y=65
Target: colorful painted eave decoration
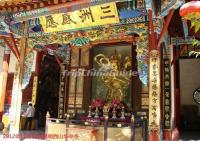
x=2 y=44
x=4 y=27
x=121 y=17
x=63 y=7
x=167 y=5
x=124 y=14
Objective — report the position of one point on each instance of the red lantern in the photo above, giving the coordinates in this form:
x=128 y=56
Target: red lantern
x=191 y=8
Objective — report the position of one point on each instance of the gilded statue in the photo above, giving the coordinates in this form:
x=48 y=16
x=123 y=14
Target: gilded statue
x=114 y=77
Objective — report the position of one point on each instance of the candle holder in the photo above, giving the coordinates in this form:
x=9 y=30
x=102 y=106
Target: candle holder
x=105 y=111
x=48 y=115
x=114 y=113
x=96 y=113
x=89 y=112
x=122 y=116
x=132 y=119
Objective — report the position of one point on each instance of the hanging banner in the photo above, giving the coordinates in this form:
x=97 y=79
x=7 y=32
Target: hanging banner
x=87 y=17
x=154 y=91
x=167 y=93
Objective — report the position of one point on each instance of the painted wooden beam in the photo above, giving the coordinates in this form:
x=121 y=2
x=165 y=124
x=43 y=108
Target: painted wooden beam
x=166 y=24
x=11 y=47
x=37 y=4
x=15 y=45
x=50 y=8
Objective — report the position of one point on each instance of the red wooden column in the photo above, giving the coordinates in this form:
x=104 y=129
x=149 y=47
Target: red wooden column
x=4 y=75
x=152 y=41
x=154 y=134
x=167 y=133
x=39 y=57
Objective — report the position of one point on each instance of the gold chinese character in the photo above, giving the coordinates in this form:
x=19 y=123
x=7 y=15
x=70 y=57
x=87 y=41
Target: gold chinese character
x=167 y=116
x=166 y=101
x=166 y=62
x=166 y=108
x=154 y=93
x=167 y=94
x=166 y=69
x=154 y=114
x=154 y=100
x=167 y=123
x=154 y=87
x=166 y=83
x=167 y=76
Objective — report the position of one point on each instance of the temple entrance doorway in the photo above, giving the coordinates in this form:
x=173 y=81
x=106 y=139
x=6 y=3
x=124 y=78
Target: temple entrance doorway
x=48 y=90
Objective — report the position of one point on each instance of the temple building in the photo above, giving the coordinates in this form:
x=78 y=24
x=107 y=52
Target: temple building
x=100 y=70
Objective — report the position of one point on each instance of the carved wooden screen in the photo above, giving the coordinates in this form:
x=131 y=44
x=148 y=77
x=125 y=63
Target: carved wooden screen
x=79 y=63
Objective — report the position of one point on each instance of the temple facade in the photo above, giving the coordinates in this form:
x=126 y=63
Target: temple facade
x=96 y=69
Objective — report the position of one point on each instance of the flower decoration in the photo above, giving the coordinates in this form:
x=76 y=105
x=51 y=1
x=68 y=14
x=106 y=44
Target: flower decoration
x=97 y=103
x=116 y=103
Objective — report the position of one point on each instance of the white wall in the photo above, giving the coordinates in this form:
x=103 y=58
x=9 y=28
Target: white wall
x=12 y=64
x=189 y=80
x=12 y=61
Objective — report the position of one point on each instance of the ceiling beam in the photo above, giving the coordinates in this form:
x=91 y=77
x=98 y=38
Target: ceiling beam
x=14 y=43
x=166 y=24
x=10 y=46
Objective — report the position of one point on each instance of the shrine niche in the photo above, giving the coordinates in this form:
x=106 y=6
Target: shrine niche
x=113 y=66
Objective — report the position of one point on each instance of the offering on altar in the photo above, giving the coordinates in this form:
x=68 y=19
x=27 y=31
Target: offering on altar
x=113 y=109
